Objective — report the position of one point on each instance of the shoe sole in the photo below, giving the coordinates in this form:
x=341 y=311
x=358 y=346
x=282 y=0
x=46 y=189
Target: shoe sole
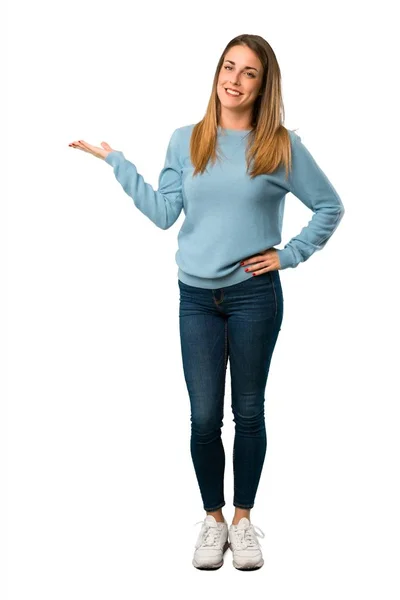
x=213 y=567
x=252 y=568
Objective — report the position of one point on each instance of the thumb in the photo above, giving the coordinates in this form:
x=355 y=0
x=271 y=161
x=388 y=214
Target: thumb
x=106 y=146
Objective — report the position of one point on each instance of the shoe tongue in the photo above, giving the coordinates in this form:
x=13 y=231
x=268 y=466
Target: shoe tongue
x=243 y=523
x=211 y=521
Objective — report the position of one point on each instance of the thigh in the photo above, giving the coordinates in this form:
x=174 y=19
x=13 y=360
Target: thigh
x=204 y=347
x=255 y=318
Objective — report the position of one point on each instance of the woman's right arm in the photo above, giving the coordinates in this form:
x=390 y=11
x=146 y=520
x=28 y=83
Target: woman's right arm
x=162 y=206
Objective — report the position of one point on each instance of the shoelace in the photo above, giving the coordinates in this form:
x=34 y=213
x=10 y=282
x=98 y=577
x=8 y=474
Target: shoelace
x=209 y=535
x=246 y=538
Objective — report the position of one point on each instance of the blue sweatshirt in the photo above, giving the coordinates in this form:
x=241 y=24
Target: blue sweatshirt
x=229 y=216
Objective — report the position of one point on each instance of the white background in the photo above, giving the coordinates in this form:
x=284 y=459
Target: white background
x=102 y=494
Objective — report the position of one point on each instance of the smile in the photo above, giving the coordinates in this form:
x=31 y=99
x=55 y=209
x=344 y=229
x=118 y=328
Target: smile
x=232 y=92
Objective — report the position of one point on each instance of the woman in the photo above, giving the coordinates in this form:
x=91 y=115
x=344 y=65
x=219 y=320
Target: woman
x=231 y=302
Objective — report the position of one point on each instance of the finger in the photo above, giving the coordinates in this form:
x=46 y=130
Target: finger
x=251 y=261
x=254 y=267
x=77 y=143
x=86 y=145
x=265 y=270
x=79 y=146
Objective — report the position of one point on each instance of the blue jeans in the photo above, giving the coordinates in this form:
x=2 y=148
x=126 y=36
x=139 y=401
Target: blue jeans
x=242 y=322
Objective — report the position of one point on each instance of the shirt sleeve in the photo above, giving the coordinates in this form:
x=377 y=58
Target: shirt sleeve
x=162 y=206
x=310 y=184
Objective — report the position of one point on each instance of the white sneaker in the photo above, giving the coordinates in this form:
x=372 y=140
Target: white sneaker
x=245 y=547
x=211 y=544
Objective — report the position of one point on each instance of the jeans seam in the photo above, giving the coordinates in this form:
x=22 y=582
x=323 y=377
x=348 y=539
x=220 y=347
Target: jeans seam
x=276 y=300
x=226 y=343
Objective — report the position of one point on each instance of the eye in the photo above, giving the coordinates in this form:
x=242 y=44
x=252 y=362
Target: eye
x=248 y=72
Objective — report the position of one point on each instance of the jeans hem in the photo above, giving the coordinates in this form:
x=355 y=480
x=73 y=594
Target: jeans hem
x=242 y=506
x=216 y=508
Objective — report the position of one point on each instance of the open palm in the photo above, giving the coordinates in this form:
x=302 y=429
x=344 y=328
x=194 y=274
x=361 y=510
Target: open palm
x=99 y=152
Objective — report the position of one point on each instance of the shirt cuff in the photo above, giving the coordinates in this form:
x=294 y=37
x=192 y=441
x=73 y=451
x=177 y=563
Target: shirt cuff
x=286 y=258
x=114 y=157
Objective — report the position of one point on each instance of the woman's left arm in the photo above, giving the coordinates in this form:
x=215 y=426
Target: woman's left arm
x=309 y=183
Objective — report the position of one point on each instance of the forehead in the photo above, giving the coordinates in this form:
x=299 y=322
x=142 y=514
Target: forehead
x=243 y=55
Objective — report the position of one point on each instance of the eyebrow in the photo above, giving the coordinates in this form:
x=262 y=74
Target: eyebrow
x=233 y=63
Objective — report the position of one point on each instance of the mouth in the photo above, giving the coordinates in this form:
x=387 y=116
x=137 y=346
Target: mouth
x=234 y=94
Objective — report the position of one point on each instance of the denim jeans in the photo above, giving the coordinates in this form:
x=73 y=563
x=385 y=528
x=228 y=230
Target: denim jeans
x=242 y=322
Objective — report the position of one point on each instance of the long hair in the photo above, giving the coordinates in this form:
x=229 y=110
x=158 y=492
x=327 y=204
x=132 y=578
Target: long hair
x=268 y=142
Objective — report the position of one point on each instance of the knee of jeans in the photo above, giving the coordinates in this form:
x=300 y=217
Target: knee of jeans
x=205 y=426
x=252 y=422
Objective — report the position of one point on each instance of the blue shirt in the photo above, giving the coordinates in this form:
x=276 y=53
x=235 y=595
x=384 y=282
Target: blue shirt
x=229 y=216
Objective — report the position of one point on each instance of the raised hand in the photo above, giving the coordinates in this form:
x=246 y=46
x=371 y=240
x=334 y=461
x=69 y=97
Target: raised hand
x=95 y=150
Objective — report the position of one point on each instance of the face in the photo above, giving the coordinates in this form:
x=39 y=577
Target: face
x=241 y=71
